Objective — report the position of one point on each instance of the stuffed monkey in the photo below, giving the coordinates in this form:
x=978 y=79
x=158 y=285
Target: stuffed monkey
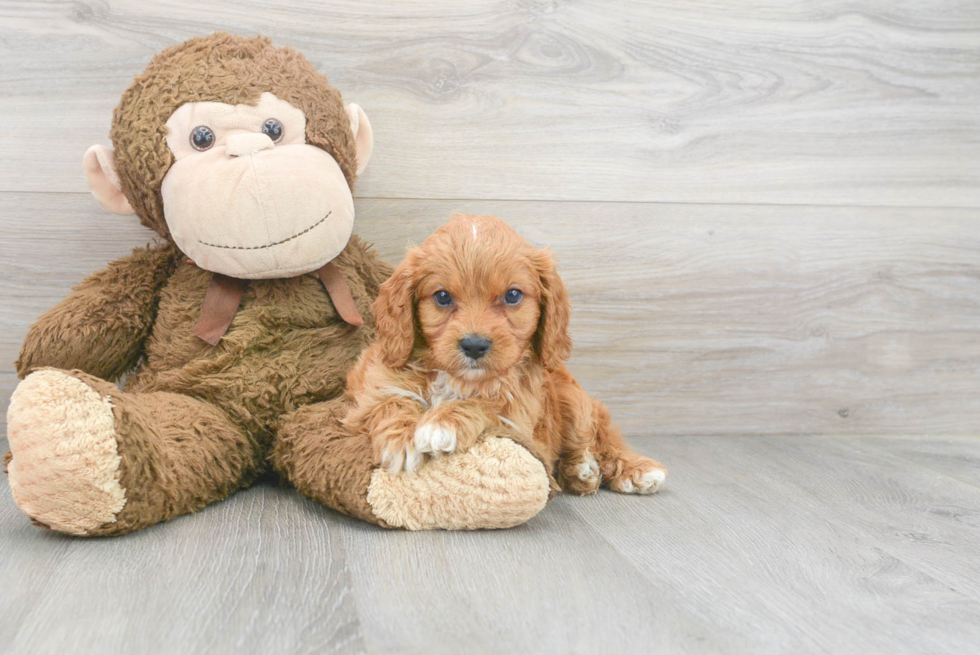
x=238 y=329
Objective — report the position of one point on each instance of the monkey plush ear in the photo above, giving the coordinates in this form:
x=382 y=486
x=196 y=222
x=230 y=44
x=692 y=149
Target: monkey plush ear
x=363 y=136
x=99 y=165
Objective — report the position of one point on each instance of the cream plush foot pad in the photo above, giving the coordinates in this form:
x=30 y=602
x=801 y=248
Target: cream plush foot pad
x=496 y=484
x=65 y=467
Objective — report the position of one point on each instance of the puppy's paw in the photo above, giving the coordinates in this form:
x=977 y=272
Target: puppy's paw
x=451 y=427
x=648 y=482
x=399 y=454
x=579 y=473
x=435 y=439
x=639 y=475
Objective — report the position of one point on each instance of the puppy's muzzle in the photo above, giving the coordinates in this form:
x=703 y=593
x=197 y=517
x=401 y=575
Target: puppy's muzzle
x=474 y=346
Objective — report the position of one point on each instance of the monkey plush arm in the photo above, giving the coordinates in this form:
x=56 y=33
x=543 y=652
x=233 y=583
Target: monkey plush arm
x=100 y=327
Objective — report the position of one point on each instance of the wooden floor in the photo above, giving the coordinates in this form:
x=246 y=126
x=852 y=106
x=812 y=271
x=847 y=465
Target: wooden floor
x=768 y=217
x=757 y=545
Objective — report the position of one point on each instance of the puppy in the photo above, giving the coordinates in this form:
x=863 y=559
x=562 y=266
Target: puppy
x=473 y=333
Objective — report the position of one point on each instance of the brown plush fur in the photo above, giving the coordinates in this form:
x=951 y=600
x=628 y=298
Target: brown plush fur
x=324 y=461
x=196 y=422
x=114 y=308
x=416 y=374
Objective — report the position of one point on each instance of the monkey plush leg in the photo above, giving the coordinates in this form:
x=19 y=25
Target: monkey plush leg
x=499 y=483
x=89 y=459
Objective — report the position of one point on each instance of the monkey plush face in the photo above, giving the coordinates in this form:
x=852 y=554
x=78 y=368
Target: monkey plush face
x=247 y=196
x=240 y=153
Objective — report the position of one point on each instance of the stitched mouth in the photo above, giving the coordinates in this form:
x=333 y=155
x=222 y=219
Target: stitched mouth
x=268 y=245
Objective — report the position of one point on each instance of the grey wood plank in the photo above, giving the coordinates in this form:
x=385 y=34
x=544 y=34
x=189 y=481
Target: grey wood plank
x=956 y=458
x=912 y=512
x=864 y=102
x=776 y=541
x=919 y=513
x=757 y=545
x=687 y=319
x=262 y=572
x=552 y=585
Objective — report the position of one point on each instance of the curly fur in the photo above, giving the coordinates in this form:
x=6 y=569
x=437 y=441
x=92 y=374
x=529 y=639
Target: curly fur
x=415 y=381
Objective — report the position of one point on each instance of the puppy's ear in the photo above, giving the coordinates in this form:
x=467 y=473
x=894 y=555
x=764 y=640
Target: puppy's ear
x=553 y=343
x=394 y=313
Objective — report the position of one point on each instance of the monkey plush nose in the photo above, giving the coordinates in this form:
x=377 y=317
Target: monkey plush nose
x=237 y=145
x=474 y=346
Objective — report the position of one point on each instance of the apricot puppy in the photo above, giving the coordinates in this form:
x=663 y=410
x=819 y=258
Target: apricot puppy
x=473 y=333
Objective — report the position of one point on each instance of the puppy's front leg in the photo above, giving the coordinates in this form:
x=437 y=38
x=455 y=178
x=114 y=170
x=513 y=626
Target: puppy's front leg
x=391 y=426
x=453 y=426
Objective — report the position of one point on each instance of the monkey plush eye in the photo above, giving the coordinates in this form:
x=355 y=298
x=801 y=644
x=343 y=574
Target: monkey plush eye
x=202 y=137
x=273 y=129
x=442 y=298
x=514 y=297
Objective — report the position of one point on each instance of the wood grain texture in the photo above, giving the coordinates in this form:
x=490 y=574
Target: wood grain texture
x=868 y=102
x=956 y=458
x=766 y=214
x=551 y=586
x=688 y=319
x=263 y=572
x=761 y=545
x=756 y=532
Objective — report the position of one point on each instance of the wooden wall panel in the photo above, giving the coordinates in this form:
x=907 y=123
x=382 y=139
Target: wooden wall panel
x=820 y=102
x=688 y=319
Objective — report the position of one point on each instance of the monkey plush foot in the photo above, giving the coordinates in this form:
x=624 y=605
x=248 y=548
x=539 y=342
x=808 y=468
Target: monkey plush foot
x=496 y=484
x=89 y=459
x=64 y=472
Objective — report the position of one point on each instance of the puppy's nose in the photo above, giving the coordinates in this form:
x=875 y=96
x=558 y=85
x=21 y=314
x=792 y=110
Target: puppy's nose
x=474 y=346
x=248 y=143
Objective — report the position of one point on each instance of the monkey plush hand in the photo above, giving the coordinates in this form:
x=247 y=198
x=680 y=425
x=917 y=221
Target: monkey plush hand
x=239 y=328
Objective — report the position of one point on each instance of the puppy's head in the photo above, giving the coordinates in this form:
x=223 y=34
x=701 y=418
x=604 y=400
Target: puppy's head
x=475 y=299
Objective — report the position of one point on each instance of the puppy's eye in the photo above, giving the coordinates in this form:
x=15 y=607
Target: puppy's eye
x=202 y=137
x=514 y=297
x=442 y=298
